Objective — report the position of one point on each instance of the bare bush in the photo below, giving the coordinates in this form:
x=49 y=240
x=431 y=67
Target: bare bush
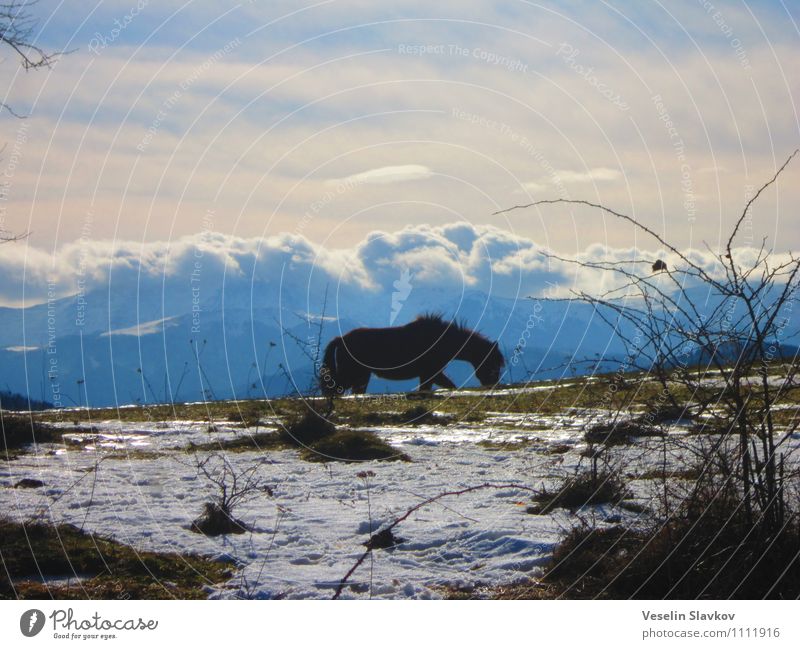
x=712 y=334
x=233 y=488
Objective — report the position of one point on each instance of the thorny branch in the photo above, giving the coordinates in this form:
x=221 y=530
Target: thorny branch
x=378 y=539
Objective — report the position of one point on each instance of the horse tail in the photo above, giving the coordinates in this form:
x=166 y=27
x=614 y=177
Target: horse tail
x=327 y=373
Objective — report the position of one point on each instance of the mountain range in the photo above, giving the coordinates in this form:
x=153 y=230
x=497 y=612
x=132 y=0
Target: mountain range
x=156 y=343
x=106 y=348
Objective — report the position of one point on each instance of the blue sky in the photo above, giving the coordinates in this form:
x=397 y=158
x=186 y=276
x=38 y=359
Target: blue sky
x=332 y=120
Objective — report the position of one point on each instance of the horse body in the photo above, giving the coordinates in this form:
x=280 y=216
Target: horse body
x=420 y=349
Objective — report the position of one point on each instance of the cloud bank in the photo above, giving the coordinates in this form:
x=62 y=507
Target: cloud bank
x=454 y=258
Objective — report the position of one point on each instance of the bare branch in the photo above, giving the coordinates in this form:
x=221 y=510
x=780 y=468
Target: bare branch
x=754 y=198
x=17 y=32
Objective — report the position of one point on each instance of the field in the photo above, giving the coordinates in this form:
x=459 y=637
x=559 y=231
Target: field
x=466 y=493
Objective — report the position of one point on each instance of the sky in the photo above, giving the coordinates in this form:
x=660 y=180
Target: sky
x=331 y=125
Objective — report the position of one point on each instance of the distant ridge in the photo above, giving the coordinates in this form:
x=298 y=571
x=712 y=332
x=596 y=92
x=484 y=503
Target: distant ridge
x=15 y=401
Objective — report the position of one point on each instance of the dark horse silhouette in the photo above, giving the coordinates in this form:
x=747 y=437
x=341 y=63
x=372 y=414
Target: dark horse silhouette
x=421 y=348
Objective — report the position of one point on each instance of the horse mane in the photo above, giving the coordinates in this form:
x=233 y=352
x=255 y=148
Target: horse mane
x=458 y=326
x=434 y=317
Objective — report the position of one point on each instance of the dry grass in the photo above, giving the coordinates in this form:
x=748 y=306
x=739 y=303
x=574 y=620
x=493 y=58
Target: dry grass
x=102 y=568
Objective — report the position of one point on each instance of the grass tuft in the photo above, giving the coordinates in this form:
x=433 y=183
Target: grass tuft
x=310 y=428
x=705 y=558
x=21 y=430
x=268 y=440
x=29 y=483
x=352 y=446
x=620 y=432
x=582 y=490
x=32 y=553
x=216 y=521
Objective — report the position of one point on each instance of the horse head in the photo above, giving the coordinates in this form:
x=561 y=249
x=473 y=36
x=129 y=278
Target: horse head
x=490 y=365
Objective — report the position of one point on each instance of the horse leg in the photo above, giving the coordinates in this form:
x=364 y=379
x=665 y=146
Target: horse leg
x=360 y=386
x=441 y=379
x=425 y=385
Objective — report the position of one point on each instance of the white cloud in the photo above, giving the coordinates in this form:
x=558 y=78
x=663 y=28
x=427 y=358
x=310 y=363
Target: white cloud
x=590 y=175
x=141 y=329
x=382 y=175
x=532 y=187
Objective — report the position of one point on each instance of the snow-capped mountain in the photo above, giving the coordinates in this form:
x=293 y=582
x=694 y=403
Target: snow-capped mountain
x=108 y=348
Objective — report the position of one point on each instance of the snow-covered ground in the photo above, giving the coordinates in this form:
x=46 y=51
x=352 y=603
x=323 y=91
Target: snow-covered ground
x=307 y=535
